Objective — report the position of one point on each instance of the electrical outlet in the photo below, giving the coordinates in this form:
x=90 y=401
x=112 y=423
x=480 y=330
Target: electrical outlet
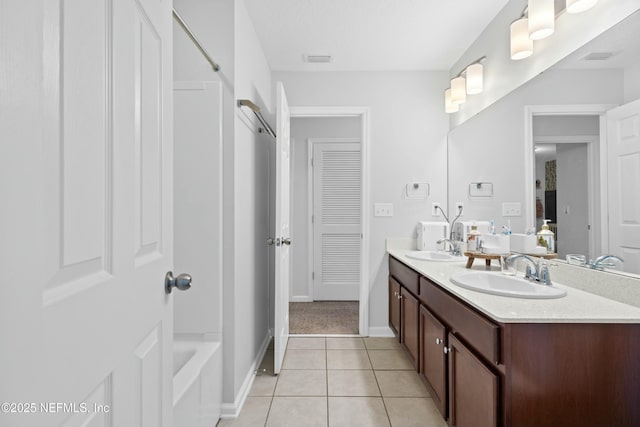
x=459 y=208
x=435 y=209
x=512 y=209
x=383 y=209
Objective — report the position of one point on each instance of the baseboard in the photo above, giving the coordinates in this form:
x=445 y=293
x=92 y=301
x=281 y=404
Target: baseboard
x=380 y=331
x=232 y=410
x=301 y=299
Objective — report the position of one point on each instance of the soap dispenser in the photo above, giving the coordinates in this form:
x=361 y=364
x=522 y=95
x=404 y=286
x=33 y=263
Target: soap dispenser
x=473 y=239
x=546 y=238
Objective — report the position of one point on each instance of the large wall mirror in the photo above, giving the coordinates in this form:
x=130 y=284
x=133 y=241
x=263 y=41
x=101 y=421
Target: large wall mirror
x=542 y=150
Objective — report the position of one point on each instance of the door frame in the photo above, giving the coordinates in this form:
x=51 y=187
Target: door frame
x=364 y=114
x=310 y=200
x=592 y=155
x=601 y=238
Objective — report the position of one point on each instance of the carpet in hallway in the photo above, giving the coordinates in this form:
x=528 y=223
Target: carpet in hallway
x=323 y=317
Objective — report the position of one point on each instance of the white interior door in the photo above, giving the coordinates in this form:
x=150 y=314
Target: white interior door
x=88 y=331
x=337 y=189
x=282 y=228
x=623 y=128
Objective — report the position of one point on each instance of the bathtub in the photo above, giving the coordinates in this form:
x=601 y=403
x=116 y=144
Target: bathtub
x=197 y=381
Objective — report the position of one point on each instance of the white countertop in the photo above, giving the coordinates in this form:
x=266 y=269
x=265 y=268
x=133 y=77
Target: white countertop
x=576 y=307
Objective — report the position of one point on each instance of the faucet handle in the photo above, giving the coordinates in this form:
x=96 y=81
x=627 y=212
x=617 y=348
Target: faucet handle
x=528 y=274
x=545 y=276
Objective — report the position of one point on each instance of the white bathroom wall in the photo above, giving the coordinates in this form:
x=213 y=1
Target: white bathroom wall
x=632 y=82
x=565 y=126
x=250 y=317
x=490 y=146
x=408 y=144
x=503 y=75
x=301 y=130
x=197 y=206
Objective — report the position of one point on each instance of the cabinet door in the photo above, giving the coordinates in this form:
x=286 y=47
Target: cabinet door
x=433 y=360
x=394 y=306
x=473 y=388
x=409 y=319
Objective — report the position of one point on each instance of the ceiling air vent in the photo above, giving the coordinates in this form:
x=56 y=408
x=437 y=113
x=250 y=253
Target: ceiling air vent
x=317 y=59
x=598 y=56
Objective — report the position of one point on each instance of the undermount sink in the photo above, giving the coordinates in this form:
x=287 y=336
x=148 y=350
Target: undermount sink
x=435 y=256
x=509 y=286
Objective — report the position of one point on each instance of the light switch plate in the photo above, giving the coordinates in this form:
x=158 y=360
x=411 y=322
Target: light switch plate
x=383 y=209
x=512 y=209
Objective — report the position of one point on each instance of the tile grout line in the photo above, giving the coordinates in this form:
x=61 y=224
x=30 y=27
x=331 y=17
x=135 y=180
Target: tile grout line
x=386 y=411
x=326 y=374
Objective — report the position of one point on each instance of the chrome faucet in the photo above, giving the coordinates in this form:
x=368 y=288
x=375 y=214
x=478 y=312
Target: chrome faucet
x=454 y=244
x=539 y=273
x=601 y=262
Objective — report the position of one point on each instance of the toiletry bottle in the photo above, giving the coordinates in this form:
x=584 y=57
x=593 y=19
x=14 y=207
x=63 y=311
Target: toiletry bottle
x=546 y=238
x=473 y=240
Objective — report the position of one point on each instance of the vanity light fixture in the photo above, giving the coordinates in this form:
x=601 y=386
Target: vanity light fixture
x=474 y=78
x=577 y=6
x=468 y=82
x=458 y=90
x=541 y=18
x=449 y=107
x=521 y=44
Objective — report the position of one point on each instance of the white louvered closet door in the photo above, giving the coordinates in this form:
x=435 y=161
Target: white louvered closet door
x=337 y=217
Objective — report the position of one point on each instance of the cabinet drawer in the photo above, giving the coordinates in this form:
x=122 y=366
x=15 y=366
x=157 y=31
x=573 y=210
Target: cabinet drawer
x=405 y=275
x=482 y=334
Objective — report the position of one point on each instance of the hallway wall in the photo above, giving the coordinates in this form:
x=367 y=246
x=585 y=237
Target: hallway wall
x=408 y=144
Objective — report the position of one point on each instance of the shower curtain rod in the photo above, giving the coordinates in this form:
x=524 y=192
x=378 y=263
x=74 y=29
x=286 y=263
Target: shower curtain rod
x=256 y=111
x=193 y=38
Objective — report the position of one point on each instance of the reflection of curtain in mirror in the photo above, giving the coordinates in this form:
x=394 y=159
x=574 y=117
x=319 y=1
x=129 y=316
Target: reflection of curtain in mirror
x=550 y=175
x=550 y=196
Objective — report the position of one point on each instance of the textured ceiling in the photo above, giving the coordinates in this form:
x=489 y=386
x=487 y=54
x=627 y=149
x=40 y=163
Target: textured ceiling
x=369 y=34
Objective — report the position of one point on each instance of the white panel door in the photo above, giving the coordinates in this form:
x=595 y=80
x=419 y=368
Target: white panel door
x=337 y=240
x=282 y=229
x=623 y=128
x=89 y=333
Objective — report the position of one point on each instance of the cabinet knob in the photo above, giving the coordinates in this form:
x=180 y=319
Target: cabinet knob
x=439 y=341
x=399 y=296
x=446 y=350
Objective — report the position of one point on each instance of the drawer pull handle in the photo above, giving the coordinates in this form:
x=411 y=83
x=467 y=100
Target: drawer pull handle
x=439 y=341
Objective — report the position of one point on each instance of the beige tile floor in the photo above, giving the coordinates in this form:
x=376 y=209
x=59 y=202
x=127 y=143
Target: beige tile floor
x=333 y=382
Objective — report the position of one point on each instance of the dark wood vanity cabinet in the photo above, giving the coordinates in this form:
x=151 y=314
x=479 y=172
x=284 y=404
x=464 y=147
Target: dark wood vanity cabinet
x=404 y=307
x=433 y=359
x=409 y=332
x=473 y=388
x=461 y=381
x=394 y=306
x=515 y=374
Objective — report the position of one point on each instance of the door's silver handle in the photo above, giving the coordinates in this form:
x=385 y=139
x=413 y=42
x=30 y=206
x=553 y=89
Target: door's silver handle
x=286 y=241
x=182 y=282
x=439 y=341
x=447 y=350
x=271 y=241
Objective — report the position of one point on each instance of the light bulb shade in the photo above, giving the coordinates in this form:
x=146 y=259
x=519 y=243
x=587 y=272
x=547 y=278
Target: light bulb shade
x=542 y=17
x=577 y=6
x=458 y=90
x=521 y=44
x=474 y=79
x=449 y=107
